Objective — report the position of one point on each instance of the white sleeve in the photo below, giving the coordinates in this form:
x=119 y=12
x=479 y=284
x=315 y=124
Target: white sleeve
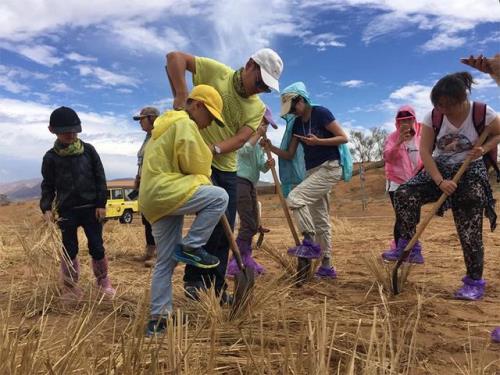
x=490 y=115
x=427 y=121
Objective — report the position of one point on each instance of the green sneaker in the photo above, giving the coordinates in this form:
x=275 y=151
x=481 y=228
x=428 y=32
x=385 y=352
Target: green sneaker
x=195 y=257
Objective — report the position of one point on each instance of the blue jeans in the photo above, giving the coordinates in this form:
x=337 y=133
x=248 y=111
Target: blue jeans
x=218 y=243
x=208 y=203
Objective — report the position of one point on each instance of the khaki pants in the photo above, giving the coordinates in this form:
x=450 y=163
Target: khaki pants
x=309 y=202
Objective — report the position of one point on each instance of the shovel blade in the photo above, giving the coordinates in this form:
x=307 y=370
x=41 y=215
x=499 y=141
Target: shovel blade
x=244 y=282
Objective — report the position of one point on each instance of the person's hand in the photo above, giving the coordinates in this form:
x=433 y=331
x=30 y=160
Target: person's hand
x=476 y=152
x=265 y=144
x=270 y=163
x=180 y=100
x=480 y=63
x=404 y=135
x=48 y=216
x=448 y=187
x=310 y=139
x=100 y=214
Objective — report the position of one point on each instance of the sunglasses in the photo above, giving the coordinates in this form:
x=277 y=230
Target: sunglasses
x=293 y=105
x=260 y=84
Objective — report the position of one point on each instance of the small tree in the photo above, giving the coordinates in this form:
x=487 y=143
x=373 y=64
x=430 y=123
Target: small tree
x=368 y=147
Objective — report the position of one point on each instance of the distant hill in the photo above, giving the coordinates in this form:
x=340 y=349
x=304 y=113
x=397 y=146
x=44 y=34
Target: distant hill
x=30 y=189
x=22 y=190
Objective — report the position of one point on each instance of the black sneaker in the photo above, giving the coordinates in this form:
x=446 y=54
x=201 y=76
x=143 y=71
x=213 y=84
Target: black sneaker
x=195 y=257
x=156 y=327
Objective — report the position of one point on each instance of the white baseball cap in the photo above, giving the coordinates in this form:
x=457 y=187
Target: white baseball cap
x=271 y=66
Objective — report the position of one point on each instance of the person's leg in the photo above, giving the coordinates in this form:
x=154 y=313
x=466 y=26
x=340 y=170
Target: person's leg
x=93 y=230
x=217 y=245
x=150 y=247
x=314 y=188
x=408 y=200
x=467 y=204
x=168 y=234
x=70 y=267
x=248 y=213
x=396 y=234
x=320 y=211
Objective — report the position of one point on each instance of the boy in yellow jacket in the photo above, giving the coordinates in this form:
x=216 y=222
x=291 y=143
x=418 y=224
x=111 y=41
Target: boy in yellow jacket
x=175 y=181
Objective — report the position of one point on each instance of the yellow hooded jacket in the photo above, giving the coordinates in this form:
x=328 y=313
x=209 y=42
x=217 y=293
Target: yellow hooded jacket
x=176 y=162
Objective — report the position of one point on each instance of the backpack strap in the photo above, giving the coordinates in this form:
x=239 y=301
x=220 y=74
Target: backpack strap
x=479 y=116
x=479 y=120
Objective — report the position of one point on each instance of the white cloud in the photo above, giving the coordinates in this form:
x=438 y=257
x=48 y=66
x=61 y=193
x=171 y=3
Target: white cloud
x=60 y=87
x=322 y=41
x=74 y=56
x=107 y=77
x=138 y=37
x=441 y=42
x=12 y=86
x=39 y=53
x=414 y=94
x=353 y=83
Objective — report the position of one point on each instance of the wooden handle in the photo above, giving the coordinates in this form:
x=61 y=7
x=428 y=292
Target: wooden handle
x=284 y=205
x=232 y=242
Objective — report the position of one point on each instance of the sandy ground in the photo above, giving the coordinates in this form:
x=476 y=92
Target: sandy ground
x=447 y=328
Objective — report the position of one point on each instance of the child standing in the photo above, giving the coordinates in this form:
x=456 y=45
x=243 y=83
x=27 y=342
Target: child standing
x=175 y=181
x=73 y=179
x=402 y=161
x=454 y=135
x=251 y=161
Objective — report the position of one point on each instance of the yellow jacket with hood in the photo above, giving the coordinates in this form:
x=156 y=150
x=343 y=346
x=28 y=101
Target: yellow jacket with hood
x=176 y=162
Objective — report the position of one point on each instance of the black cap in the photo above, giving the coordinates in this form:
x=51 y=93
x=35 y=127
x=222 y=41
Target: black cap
x=65 y=120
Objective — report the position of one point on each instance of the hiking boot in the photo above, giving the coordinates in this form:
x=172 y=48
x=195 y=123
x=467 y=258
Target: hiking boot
x=495 y=335
x=100 y=268
x=472 y=290
x=156 y=327
x=326 y=272
x=198 y=257
x=245 y=248
x=148 y=256
x=308 y=250
x=416 y=256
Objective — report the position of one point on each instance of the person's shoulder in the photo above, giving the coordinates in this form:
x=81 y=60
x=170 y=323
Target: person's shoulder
x=211 y=64
x=322 y=111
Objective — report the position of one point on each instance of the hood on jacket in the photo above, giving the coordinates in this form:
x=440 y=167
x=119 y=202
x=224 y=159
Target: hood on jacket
x=407 y=108
x=165 y=120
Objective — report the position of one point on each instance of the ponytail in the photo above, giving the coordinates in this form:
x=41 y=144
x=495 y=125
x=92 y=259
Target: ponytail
x=455 y=86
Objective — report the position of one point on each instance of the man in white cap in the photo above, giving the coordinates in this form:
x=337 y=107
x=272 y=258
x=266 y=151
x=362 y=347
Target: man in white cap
x=243 y=111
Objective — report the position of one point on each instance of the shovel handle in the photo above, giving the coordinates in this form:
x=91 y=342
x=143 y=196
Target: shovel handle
x=430 y=215
x=284 y=205
x=232 y=242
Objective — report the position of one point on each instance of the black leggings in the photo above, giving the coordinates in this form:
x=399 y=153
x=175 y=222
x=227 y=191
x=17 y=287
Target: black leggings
x=69 y=222
x=395 y=231
x=467 y=204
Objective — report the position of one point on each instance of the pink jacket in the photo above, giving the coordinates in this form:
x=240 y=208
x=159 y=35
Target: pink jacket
x=398 y=166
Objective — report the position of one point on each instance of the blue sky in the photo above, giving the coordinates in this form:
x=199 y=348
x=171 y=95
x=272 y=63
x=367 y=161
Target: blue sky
x=360 y=58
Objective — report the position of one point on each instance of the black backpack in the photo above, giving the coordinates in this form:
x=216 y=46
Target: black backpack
x=479 y=119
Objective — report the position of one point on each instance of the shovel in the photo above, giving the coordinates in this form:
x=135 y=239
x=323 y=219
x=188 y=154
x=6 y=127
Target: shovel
x=303 y=264
x=243 y=280
x=427 y=219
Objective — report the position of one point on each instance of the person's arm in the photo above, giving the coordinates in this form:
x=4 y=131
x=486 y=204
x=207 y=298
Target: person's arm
x=236 y=141
x=284 y=154
x=48 y=188
x=177 y=64
x=426 y=148
x=493 y=130
x=339 y=136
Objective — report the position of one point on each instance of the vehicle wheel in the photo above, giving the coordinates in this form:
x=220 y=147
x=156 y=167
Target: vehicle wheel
x=127 y=217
